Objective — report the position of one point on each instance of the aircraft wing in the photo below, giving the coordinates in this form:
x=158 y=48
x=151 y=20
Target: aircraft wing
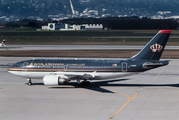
x=85 y=76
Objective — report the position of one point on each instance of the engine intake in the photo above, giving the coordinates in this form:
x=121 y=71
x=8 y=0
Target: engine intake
x=53 y=80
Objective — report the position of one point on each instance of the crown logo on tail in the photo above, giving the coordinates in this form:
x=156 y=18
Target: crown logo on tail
x=156 y=47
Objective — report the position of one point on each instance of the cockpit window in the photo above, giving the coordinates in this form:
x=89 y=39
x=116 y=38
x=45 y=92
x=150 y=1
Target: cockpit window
x=15 y=65
x=22 y=64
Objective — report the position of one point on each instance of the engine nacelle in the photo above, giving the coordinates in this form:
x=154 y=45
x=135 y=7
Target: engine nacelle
x=61 y=81
x=53 y=80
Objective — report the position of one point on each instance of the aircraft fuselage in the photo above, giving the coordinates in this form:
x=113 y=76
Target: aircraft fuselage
x=102 y=69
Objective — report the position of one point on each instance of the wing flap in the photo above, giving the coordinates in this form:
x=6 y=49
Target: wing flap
x=85 y=76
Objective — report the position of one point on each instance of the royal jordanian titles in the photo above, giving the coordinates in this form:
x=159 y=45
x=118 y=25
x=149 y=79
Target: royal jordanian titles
x=60 y=71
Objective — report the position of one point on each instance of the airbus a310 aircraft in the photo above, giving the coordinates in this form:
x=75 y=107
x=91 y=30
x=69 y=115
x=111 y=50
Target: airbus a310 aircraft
x=60 y=71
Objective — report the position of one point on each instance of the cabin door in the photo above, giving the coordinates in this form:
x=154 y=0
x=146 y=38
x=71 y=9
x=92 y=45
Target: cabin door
x=124 y=67
x=24 y=66
x=65 y=67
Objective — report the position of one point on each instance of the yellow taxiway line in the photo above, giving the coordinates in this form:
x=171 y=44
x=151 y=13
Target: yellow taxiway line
x=133 y=97
x=162 y=70
x=130 y=98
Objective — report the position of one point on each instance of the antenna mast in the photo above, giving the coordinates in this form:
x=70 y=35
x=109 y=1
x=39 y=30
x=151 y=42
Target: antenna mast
x=73 y=11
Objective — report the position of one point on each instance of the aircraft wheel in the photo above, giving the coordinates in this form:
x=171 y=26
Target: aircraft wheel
x=29 y=83
x=85 y=84
x=77 y=86
x=88 y=83
x=82 y=83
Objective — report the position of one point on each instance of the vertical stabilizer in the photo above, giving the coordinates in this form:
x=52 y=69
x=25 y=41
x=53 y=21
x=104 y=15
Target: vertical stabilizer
x=153 y=50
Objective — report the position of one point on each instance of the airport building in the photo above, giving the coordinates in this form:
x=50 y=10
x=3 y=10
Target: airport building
x=68 y=27
x=88 y=27
x=55 y=26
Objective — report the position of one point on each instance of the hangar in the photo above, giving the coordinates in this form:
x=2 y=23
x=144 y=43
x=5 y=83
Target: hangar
x=66 y=27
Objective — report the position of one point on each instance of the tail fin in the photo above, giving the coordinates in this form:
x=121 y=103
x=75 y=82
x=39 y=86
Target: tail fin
x=153 y=50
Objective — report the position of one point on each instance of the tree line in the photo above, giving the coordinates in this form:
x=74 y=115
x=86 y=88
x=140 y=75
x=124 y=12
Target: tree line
x=113 y=23
x=127 y=22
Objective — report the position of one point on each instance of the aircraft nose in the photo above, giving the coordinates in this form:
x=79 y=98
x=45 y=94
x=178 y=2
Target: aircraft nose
x=12 y=72
x=8 y=69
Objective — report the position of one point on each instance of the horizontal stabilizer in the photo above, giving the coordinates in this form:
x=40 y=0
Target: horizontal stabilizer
x=149 y=65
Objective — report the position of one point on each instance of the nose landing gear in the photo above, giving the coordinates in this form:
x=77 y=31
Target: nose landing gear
x=29 y=81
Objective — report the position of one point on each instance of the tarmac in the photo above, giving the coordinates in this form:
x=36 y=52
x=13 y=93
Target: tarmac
x=78 y=47
x=152 y=95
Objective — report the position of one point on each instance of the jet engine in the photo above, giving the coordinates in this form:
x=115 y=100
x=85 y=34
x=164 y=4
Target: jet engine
x=53 y=80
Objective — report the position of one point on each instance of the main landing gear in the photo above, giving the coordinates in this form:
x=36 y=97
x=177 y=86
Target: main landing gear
x=29 y=81
x=83 y=84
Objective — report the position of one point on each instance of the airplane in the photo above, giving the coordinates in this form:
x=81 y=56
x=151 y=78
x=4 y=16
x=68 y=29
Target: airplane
x=3 y=43
x=60 y=71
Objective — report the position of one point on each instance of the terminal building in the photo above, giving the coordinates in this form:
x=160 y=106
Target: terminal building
x=89 y=27
x=68 y=27
x=53 y=26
